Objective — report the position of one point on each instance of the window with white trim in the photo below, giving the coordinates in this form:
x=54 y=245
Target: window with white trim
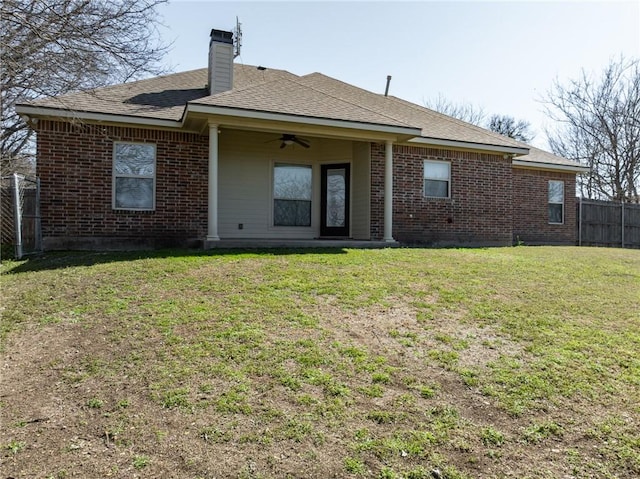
x=556 y=202
x=437 y=179
x=292 y=191
x=134 y=176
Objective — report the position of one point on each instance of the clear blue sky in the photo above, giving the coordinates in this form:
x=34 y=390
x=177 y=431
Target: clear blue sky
x=501 y=56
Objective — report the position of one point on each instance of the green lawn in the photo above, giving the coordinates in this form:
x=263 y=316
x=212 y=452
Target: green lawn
x=392 y=363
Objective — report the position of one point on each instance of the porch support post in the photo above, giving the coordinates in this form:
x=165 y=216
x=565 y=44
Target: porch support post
x=212 y=231
x=388 y=192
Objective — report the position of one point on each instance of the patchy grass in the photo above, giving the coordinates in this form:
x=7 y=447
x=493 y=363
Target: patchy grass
x=397 y=363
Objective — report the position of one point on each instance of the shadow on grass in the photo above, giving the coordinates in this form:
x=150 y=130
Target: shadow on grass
x=69 y=259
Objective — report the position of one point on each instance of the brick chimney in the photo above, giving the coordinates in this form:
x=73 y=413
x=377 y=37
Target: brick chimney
x=220 y=61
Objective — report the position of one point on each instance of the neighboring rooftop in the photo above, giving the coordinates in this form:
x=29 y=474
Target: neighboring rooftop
x=538 y=156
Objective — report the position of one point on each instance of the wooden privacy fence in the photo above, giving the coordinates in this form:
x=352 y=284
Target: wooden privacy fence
x=608 y=223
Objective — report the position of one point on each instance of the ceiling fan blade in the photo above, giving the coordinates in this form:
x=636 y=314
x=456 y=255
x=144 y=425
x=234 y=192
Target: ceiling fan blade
x=301 y=143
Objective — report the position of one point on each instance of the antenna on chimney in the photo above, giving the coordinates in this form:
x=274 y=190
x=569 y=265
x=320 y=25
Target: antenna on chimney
x=237 y=39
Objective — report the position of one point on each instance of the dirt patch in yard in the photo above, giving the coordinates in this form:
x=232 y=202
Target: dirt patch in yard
x=357 y=393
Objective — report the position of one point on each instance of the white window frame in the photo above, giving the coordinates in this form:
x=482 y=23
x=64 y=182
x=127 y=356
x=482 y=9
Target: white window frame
x=121 y=175
x=425 y=178
x=561 y=203
x=276 y=164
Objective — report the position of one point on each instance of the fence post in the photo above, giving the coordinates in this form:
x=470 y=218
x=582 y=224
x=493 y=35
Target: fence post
x=38 y=219
x=622 y=221
x=580 y=223
x=17 y=215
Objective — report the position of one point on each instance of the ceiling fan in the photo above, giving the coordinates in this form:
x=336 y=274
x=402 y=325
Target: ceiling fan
x=288 y=139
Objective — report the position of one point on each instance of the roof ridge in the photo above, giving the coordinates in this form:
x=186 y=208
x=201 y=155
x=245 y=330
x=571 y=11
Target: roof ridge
x=251 y=85
x=97 y=91
x=248 y=65
x=158 y=78
x=371 y=110
x=102 y=92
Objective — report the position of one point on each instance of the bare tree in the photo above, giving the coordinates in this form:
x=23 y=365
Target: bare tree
x=462 y=111
x=599 y=125
x=503 y=124
x=52 y=47
x=508 y=126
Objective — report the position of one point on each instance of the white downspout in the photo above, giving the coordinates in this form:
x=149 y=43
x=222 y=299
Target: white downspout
x=388 y=192
x=212 y=234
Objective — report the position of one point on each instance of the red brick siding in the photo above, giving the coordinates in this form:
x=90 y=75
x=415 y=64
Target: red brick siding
x=530 y=210
x=75 y=166
x=478 y=212
x=491 y=203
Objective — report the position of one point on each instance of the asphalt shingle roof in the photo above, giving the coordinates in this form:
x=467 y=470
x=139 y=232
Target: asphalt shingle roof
x=294 y=97
x=433 y=124
x=536 y=155
x=163 y=97
x=278 y=91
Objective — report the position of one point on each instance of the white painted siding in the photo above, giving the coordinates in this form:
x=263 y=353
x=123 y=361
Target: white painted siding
x=361 y=191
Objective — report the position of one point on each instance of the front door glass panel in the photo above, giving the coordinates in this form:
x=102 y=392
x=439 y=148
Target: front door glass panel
x=336 y=196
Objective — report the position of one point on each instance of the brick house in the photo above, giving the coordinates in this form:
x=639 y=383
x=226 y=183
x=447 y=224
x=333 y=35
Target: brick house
x=235 y=153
